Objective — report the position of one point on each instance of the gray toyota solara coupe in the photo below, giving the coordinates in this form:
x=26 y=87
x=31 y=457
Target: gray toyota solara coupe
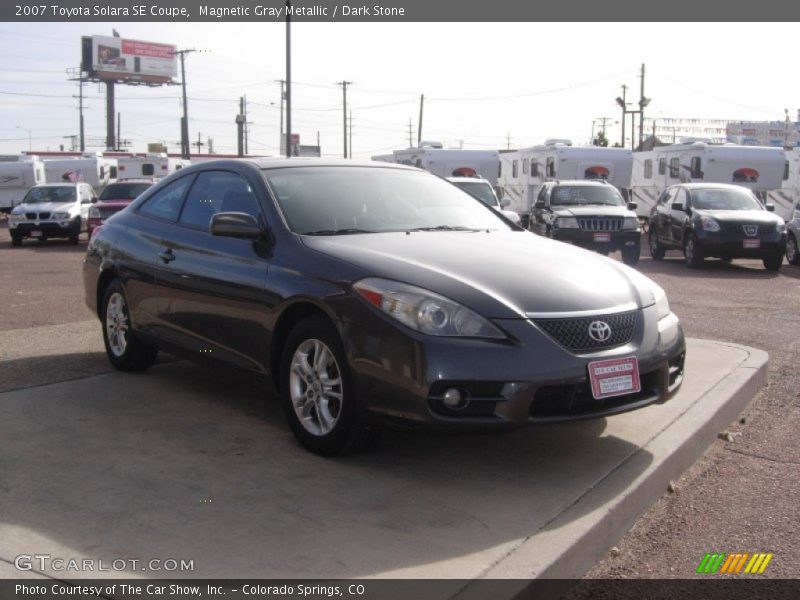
x=371 y=292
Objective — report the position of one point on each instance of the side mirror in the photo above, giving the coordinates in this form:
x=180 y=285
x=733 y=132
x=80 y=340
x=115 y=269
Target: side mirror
x=539 y=204
x=632 y=206
x=770 y=207
x=677 y=206
x=236 y=225
x=505 y=202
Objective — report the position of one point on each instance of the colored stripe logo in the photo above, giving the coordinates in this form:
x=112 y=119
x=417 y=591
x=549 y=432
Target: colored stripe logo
x=733 y=563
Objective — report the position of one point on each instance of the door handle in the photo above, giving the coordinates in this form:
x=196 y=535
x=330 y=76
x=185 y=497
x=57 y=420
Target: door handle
x=166 y=255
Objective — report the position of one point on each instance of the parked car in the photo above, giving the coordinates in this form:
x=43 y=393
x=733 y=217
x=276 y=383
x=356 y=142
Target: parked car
x=372 y=292
x=52 y=210
x=792 y=236
x=114 y=198
x=589 y=214
x=483 y=191
x=716 y=220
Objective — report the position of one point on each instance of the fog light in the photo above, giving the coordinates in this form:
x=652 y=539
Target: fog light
x=455 y=398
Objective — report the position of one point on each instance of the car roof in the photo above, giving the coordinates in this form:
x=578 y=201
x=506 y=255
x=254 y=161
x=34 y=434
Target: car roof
x=134 y=180
x=709 y=186
x=61 y=184
x=468 y=180
x=297 y=161
x=577 y=182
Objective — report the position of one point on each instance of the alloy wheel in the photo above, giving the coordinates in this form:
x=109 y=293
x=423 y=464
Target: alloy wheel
x=117 y=324
x=315 y=387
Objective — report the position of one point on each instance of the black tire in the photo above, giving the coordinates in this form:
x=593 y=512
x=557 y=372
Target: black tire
x=16 y=240
x=351 y=430
x=657 y=250
x=692 y=253
x=74 y=237
x=773 y=263
x=792 y=252
x=631 y=255
x=132 y=354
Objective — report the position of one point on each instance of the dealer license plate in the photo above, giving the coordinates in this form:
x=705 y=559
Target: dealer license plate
x=36 y=233
x=602 y=237
x=614 y=377
x=750 y=244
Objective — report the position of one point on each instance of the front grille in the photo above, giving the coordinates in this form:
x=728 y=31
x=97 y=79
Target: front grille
x=572 y=401
x=44 y=215
x=30 y=216
x=600 y=223
x=107 y=212
x=739 y=228
x=573 y=334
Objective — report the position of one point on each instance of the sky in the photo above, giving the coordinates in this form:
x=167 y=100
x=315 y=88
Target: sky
x=486 y=85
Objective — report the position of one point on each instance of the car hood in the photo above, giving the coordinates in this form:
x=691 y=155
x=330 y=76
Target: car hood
x=44 y=207
x=498 y=274
x=592 y=210
x=759 y=217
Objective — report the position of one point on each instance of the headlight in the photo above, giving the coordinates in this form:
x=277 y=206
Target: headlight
x=58 y=216
x=662 y=304
x=425 y=311
x=94 y=213
x=709 y=224
x=630 y=223
x=16 y=216
x=780 y=227
x=566 y=223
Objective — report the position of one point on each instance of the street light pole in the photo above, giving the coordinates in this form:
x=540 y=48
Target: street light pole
x=288 y=79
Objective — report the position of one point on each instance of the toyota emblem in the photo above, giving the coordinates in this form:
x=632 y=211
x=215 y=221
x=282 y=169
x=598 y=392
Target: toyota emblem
x=599 y=331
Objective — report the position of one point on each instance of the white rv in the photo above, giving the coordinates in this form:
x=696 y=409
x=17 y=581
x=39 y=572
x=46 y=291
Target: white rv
x=787 y=197
x=449 y=163
x=95 y=169
x=151 y=165
x=17 y=177
x=523 y=172
x=758 y=168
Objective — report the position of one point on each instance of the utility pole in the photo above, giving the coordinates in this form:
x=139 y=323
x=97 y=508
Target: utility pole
x=344 y=85
x=508 y=141
x=283 y=97
x=199 y=143
x=210 y=146
x=621 y=102
x=410 y=133
x=185 y=148
x=76 y=74
x=351 y=134
x=642 y=103
x=244 y=112
x=240 y=118
x=419 y=129
x=110 y=142
x=119 y=131
x=288 y=79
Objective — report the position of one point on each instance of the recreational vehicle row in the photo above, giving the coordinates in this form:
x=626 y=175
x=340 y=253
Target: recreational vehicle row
x=448 y=163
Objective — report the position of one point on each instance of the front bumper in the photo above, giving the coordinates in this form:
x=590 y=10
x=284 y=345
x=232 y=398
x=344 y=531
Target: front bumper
x=528 y=380
x=64 y=228
x=599 y=240
x=725 y=244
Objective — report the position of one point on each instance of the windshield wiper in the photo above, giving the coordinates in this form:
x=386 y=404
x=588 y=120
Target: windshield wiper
x=343 y=231
x=445 y=228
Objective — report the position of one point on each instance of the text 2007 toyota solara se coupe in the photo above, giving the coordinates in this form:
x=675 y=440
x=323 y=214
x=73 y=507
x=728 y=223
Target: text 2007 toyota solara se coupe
x=372 y=292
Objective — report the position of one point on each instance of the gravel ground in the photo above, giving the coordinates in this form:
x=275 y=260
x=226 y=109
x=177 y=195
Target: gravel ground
x=743 y=495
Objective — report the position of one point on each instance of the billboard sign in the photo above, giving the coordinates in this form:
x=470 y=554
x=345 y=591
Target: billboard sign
x=119 y=59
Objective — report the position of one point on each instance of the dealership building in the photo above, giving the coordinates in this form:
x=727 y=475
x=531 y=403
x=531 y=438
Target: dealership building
x=765 y=133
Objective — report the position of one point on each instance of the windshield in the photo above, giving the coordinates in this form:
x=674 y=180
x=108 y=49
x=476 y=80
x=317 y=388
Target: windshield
x=723 y=199
x=576 y=195
x=50 y=194
x=123 y=191
x=481 y=190
x=342 y=200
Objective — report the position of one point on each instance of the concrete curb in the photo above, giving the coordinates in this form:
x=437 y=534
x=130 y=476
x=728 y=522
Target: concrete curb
x=576 y=539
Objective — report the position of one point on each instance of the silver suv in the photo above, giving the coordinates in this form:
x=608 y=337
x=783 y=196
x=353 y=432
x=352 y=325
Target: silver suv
x=52 y=210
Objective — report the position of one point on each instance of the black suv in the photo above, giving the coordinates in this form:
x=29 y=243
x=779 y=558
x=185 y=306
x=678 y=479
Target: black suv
x=590 y=214
x=719 y=220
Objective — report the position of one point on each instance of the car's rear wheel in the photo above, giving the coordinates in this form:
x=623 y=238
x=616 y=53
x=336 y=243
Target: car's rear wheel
x=125 y=351
x=630 y=255
x=692 y=253
x=16 y=240
x=317 y=391
x=792 y=253
x=657 y=251
x=773 y=263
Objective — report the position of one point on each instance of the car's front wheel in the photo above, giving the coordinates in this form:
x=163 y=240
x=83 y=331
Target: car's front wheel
x=692 y=252
x=773 y=263
x=657 y=251
x=631 y=254
x=792 y=253
x=125 y=351
x=16 y=240
x=317 y=390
